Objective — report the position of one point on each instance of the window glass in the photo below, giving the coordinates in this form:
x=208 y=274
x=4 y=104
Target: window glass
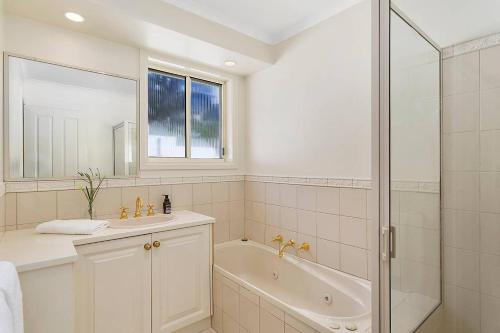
x=206 y=125
x=166 y=115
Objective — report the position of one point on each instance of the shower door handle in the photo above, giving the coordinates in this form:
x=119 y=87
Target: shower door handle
x=392 y=239
x=389 y=243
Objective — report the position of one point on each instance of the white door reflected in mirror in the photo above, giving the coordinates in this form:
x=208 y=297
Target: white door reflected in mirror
x=62 y=119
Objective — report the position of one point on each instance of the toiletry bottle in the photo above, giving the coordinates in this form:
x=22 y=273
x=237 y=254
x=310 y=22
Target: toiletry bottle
x=167 y=205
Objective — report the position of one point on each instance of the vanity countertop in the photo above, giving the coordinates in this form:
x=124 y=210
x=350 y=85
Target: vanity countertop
x=29 y=250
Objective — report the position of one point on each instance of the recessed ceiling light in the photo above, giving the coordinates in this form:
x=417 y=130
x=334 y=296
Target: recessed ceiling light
x=229 y=63
x=74 y=17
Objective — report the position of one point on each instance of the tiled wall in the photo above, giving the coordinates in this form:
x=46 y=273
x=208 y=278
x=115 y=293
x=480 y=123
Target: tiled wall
x=212 y=196
x=332 y=219
x=417 y=267
x=471 y=181
x=238 y=310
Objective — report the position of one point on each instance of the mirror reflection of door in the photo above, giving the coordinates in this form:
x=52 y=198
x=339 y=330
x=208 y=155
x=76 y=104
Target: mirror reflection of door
x=62 y=120
x=51 y=143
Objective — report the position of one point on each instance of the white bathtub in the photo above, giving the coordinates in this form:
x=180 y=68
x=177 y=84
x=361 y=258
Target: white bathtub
x=320 y=297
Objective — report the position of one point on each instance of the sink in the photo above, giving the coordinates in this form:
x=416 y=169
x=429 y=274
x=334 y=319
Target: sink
x=140 y=222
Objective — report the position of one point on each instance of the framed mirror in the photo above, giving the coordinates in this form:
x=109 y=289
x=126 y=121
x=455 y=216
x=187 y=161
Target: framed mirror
x=60 y=120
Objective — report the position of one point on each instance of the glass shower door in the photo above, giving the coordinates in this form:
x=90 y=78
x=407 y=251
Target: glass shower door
x=415 y=173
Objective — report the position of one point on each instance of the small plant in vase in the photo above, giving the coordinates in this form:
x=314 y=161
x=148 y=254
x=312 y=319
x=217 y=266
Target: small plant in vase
x=93 y=182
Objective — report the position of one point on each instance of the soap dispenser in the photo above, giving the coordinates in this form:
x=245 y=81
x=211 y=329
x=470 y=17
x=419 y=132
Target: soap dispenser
x=167 y=205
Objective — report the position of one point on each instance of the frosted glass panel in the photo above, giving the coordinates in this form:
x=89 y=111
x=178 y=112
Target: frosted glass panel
x=166 y=115
x=205 y=119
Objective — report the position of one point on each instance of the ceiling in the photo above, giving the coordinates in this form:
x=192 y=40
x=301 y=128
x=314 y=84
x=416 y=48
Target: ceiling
x=268 y=21
x=37 y=70
x=449 y=22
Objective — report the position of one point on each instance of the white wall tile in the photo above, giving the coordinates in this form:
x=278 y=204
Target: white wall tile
x=461 y=229
x=354 y=260
x=288 y=218
x=231 y=299
x=288 y=195
x=270 y=324
x=461 y=268
x=353 y=231
x=306 y=222
x=461 y=74
x=237 y=191
x=182 y=195
x=490 y=320
x=255 y=191
x=490 y=233
x=461 y=113
x=328 y=253
x=220 y=192
x=249 y=314
x=461 y=190
x=353 y=202
x=328 y=226
x=273 y=193
x=273 y=215
x=35 y=207
x=306 y=197
x=490 y=150
x=461 y=151
x=202 y=193
x=490 y=274
x=328 y=200
x=490 y=192
x=490 y=104
x=490 y=68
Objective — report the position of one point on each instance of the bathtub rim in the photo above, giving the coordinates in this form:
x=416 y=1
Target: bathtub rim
x=322 y=328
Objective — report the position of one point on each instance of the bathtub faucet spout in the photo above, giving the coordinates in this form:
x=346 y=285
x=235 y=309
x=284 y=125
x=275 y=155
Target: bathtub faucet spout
x=290 y=243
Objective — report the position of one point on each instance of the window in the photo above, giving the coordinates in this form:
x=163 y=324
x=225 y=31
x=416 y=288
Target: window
x=184 y=116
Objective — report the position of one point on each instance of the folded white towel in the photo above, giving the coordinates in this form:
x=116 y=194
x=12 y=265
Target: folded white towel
x=11 y=300
x=72 y=227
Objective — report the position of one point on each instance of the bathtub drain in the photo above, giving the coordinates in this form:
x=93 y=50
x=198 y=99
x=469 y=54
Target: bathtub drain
x=327 y=298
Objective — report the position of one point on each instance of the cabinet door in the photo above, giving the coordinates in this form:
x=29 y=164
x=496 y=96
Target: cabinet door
x=181 y=278
x=114 y=286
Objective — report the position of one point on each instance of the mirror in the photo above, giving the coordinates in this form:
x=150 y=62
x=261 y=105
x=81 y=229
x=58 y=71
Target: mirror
x=61 y=120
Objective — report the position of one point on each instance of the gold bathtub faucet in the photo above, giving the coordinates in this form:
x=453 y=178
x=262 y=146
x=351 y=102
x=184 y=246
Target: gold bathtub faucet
x=290 y=243
x=138 y=207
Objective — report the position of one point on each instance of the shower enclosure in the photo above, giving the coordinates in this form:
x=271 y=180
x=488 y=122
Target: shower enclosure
x=415 y=265
x=437 y=166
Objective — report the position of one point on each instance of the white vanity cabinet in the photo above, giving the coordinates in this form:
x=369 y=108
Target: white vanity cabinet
x=157 y=282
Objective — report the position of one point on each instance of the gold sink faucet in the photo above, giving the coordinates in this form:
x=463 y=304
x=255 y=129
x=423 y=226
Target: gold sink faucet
x=138 y=207
x=290 y=243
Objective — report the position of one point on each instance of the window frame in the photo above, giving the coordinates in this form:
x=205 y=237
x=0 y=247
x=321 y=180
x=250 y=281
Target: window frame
x=228 y=117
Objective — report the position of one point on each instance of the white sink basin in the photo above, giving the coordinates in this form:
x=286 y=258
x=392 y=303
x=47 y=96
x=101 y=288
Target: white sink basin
x=140 y=222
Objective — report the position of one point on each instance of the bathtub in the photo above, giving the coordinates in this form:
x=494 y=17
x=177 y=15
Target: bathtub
x=319 y=298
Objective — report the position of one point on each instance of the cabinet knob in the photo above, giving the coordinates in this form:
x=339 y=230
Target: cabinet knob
x=147 y=246
x=156 y=243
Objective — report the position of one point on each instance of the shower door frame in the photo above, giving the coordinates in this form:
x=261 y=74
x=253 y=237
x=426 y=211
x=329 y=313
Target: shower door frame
x=381 y=182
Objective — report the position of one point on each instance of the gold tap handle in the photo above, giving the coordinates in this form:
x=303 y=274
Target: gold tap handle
x=278 y=238
x=151 y=211
x=123 y=213
x=305 y=246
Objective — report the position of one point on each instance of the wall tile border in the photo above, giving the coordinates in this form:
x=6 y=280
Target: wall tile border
x=471 y=46
x=57 y=185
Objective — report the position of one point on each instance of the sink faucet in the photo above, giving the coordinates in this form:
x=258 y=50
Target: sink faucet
x=290 y=243
x=138 y=207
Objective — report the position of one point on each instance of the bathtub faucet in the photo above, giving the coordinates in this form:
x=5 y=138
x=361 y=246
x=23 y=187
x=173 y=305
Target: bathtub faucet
x=290 y=243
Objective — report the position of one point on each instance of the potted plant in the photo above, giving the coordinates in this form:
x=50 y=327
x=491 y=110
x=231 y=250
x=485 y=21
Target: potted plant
x=93 y=182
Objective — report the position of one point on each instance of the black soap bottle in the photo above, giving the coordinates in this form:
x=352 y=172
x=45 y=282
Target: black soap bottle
x=167 y=205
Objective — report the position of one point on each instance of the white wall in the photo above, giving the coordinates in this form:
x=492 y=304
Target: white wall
x=309 y=114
